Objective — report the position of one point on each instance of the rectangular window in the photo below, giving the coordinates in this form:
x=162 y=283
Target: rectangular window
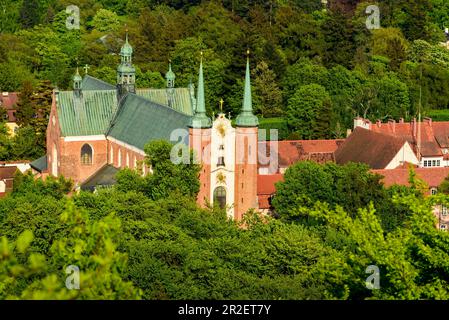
x=221 y=162
x=438 y=163
x=444 y=210
x=425 y=163
x=434 y=163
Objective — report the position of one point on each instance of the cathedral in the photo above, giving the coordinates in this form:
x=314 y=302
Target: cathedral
x=98 y=128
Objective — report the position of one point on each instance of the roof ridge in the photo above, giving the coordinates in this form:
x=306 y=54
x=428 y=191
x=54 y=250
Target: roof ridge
x=102 y=81
x=391 y=136
x=157 y=104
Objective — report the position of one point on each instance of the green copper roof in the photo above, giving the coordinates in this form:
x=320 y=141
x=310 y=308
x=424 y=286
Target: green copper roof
x=182 y=101
x=126 y=68
x=170 y=75
x=246 y=118
x=139 y=121
x=126 y=50
x=91 y=83
x=77 y=76
x=105 y=177
x=39 y=164
x=200 y=119
x=88 y=115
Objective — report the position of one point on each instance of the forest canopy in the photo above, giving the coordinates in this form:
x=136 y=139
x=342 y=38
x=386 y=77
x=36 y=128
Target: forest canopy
x=378 y=73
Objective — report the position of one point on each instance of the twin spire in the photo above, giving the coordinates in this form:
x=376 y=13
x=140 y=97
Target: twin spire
x=200 y=120
x=246 y=118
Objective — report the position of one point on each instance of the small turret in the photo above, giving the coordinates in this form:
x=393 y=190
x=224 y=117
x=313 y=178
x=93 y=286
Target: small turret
x=126 y=73
x=77 y=83
x=170 y=77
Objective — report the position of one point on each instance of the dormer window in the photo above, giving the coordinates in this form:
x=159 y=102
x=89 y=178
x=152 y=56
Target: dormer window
x=221 y=162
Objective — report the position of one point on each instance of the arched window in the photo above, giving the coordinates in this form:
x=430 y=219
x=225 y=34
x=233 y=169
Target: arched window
x=86 y=155
x=220 y=197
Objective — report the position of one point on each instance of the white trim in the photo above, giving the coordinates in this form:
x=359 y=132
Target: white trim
x=84 y=138
x=127 y=146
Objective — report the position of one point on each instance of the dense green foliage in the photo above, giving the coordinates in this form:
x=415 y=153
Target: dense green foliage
x=130 y=243
x=312 y=72
x=371 y=73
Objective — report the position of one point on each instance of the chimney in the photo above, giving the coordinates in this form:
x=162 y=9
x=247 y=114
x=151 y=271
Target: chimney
x=392 y=124
x=348 y=132
x=428 y=121
x=360 y=122
x=401 y=120
x=378 y=123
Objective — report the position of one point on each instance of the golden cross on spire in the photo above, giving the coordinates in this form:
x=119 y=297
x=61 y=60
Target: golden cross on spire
x=86 y=68
x=221 y=105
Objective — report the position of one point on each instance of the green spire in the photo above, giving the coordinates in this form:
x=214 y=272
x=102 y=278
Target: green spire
x=170 y=77
x=77 y=79
x=246 y=118
x=200 y=119
x=126 y=52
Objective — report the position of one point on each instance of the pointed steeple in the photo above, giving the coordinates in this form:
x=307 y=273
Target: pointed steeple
x=200 y=119
x=246 y=118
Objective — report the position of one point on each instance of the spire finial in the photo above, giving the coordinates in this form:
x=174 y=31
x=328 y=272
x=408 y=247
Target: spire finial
x=221 y=105
x=126 y=33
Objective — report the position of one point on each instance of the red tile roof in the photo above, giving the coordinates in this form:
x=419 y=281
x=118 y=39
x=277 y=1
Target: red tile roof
x=266 y=188
x=433 y=134
x=432 y=176
x=292 y=151
x=366 y=146
x=266 y=183
x=7 y=172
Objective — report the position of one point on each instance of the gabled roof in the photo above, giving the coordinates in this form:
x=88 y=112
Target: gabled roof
x=39 y=164
x=431 y=132
x=91 y=83
x=103 y=177
x=432 y=176
x=139 y=121
x=365 y=146
x=90 y=114
x=181 y=98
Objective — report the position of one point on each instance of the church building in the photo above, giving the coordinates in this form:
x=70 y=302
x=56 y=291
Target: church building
x=98 y=128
